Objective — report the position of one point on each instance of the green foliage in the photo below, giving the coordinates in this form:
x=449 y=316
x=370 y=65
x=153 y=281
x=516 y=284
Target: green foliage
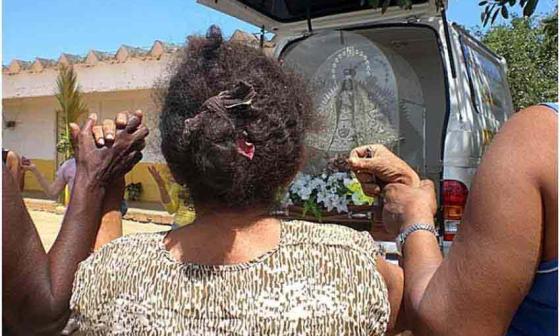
x=310 y=205
x=530 y=49
x=550 y=27
x=356 y=193
x=494 y=7
x=64 y=145
x=325 y=193
x=71 y=107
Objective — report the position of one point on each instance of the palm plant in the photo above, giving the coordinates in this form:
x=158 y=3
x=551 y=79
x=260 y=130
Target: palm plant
x=71 y=107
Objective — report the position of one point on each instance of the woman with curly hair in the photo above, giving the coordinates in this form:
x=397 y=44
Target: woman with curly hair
x=233 y=124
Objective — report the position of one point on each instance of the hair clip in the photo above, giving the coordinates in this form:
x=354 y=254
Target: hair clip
x=245 y=148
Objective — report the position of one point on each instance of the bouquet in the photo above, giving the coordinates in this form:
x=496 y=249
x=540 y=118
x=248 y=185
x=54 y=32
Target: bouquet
x=326 y=192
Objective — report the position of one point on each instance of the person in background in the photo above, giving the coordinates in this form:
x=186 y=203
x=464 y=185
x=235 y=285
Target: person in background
x=64 y=177
x=501 y=274
x=13 y=163
x=176 y=199
x=36 y=285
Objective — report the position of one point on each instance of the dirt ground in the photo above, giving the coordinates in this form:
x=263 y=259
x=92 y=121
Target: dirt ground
x=48 y=225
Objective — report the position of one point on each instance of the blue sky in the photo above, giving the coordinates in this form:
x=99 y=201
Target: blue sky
x=46 y=28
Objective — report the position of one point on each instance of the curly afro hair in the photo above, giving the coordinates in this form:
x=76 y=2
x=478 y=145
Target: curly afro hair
x=200 y=141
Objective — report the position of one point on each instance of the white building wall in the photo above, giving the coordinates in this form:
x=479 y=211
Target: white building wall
x=108 y=104
x=34 y=135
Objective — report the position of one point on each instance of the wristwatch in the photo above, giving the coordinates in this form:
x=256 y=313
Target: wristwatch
x=401 y=238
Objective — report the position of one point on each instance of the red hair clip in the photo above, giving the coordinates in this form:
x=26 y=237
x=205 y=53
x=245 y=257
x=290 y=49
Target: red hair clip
x=245 y=148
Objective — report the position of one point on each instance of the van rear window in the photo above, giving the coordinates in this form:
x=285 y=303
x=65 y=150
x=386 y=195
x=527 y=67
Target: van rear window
x=369 y=86
x=296 y=10
x=364 y=93
x=381 y=85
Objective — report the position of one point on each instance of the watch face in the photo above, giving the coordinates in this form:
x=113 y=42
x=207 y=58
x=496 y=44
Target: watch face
x=355 y=94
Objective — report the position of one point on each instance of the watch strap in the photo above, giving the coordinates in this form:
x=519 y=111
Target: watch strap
x=401 y=238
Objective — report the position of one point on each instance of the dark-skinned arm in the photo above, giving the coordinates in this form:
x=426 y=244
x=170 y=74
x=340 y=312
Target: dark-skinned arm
x=36 y=273
x=37 y=286
x=490 y=268
x=111 y=222
x=492 y=263
x=375 y=166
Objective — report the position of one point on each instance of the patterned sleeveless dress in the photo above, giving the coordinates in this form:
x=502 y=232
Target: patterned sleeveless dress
x=321 y=280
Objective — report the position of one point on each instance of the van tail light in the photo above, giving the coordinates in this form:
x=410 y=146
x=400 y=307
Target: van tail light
x=454 y=199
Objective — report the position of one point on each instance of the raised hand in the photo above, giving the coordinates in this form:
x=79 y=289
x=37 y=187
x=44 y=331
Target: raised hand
x=156 y=175
x=27 y=164
x=36 y=285
x=121 y=145
x=376 y=166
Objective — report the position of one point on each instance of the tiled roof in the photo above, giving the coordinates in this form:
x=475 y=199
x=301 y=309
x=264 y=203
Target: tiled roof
x=16 y=66
x=69 y=59
x=159 y=48
x=242 y=36
x=123 y=54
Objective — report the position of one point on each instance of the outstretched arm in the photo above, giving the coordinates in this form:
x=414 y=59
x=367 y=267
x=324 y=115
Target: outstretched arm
x=490 y=268
x=168 y=201
x=52 y=190
x=13 y=162
x=37 y=286
x=496 y=252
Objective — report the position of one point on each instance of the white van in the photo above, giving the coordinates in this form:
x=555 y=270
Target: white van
x=406 y=78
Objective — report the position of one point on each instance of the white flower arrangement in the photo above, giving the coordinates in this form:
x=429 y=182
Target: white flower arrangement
x=334 y=191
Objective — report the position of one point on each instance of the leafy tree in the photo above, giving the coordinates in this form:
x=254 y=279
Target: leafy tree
x=71 y=107
x=530 y=49
x=550 y=26
x=492 y=8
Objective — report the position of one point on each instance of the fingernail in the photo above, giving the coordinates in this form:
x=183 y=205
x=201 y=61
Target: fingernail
x=110 y=136
x=101 y=141
x=93 y=116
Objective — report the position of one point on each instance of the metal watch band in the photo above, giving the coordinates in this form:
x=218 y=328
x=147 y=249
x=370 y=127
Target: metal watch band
x=401 y=238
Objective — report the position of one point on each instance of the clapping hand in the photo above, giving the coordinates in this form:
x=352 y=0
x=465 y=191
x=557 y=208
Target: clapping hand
x=27 y=164
x=112 y=151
